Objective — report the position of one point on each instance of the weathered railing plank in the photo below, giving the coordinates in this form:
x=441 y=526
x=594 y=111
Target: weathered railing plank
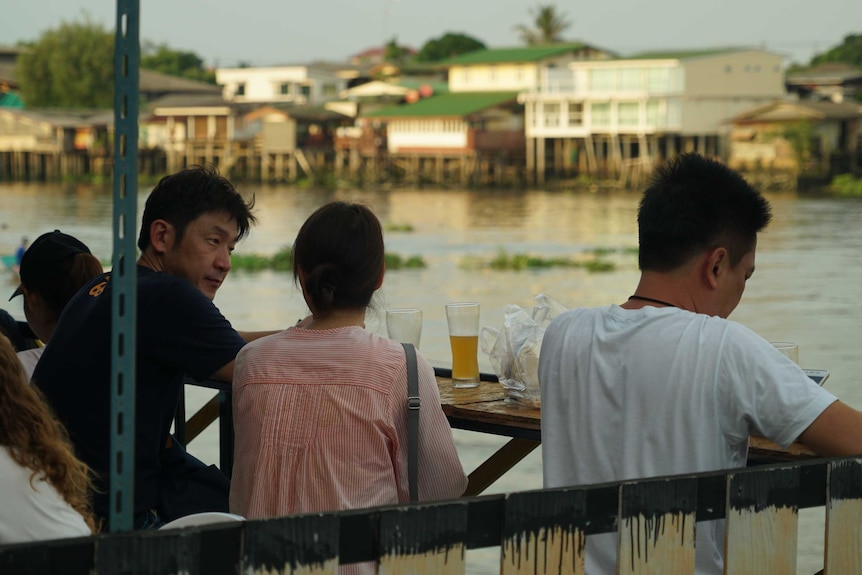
x=418 y=540
x=303 y=545
x=64 y=556
x=656 y=527
x=543 y=533
x=201 y=550
x=762 y=520
x=844 y=518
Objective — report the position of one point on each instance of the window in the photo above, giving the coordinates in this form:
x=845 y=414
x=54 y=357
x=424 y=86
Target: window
x=305 y=90
x=601 y=80
x=240 y=89
x=201 y=128
x=728 y=69
x=221 y=127
x=658 y=80
x=631 y=79
x=628 y=113
x=653 y=114
x=576 y=114
x=329 y=89
x=552 y=115
x=284 y=89
x=600 y=114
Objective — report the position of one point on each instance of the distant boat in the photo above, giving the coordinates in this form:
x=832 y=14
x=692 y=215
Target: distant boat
x=9 y=263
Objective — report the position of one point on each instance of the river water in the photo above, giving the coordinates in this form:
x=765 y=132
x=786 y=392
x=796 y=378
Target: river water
x=805 y=289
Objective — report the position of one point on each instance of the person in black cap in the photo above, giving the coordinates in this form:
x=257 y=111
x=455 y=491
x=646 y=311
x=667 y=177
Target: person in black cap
x=53 y=269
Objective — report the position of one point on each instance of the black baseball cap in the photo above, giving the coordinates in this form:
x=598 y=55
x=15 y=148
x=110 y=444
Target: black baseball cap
x=41 y=262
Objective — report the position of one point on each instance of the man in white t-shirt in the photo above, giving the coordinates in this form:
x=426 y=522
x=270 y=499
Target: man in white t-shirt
x=664 y=384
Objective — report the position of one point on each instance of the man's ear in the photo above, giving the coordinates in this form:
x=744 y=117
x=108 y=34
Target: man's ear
x=714 y=264
x=161 y=236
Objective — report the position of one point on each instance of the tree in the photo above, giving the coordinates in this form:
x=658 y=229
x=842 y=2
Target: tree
x=447 y=46
x=548 y=25
x=71 y=66
x=395 y=53
x=166 y=60
x=848 y=52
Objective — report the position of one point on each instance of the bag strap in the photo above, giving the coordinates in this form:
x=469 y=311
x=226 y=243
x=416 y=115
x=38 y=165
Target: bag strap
x=413 y=404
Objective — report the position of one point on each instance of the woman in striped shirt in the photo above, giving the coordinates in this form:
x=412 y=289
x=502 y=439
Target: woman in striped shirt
x=320 y=409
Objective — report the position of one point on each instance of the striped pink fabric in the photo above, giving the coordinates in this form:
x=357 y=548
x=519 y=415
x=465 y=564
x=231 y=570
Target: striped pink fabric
x=321 y=424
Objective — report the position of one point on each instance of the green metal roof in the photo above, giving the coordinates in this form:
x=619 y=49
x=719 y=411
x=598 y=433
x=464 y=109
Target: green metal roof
x=446 y=105
x=683 y=54
x=512 y=55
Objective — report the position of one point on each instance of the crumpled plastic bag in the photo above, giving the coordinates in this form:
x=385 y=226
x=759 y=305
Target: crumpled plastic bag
x=514 y=350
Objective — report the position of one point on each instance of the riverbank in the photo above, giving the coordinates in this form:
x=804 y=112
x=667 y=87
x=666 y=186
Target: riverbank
x=321 y=168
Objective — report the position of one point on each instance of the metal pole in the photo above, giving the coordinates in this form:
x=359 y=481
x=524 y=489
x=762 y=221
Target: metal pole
x=124 y=272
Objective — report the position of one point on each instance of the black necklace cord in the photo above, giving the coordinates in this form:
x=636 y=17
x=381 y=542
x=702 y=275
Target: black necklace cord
x=651 y=300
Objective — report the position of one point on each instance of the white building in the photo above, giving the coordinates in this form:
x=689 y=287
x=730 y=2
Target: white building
x=299 y=84
x=622 y=112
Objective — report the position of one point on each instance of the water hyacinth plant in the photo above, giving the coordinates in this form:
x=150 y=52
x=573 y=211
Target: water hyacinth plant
x=282 y=261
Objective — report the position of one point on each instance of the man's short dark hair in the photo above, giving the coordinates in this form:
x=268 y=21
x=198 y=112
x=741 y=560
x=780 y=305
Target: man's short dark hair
x=181 y=198
x=695 y=204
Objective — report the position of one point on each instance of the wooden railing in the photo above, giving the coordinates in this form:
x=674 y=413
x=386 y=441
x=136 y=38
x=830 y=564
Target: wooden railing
x=536 y=531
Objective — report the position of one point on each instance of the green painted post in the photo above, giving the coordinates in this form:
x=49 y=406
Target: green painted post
x=127 y=55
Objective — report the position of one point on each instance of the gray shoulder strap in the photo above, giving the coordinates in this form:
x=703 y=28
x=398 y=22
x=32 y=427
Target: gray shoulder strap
x=413 y=405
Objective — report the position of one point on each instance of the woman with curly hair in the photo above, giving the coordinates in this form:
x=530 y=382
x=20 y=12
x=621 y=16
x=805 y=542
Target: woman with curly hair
x=44 y=488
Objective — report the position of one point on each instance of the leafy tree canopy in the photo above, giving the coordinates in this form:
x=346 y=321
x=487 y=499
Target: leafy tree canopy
x=848 y=52
x=394 y=52
x=447 y=46
x=70 y=66
x=162 y=58
x=547 y=26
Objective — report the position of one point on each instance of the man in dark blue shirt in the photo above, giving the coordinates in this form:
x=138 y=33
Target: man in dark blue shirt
x=191 y=223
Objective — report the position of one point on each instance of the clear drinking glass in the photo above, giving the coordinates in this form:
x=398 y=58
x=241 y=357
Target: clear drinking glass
x=404 y=325
x=787 y=349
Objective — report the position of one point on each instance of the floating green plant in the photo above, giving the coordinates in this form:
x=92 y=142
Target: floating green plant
x=846 y=185
x=397 y=227
x=517 y=262
x=397 y=262
x=598 y=252
x=282 y=261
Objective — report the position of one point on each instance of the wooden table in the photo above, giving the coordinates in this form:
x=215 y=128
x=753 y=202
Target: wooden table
x=487 y=409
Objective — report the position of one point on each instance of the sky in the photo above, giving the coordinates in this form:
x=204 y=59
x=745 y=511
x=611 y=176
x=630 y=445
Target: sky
x=267 y=32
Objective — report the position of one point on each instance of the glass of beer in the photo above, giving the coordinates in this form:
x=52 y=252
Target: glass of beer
x=404 y=325
x=463 y=320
